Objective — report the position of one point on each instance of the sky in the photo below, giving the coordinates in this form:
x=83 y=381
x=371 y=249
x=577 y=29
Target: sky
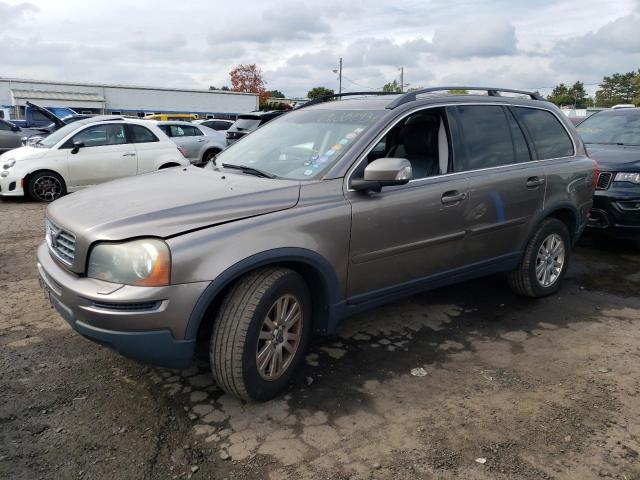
x=195 y=43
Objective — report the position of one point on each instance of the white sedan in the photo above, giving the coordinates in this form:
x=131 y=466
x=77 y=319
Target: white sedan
x=86 y=153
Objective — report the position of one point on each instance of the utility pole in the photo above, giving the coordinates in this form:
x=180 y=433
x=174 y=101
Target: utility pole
x=339 y=72
x=401 y=79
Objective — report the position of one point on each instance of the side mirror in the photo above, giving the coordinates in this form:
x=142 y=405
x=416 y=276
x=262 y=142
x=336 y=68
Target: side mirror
x=383 y=172
x=15 y=128
x=76 y=147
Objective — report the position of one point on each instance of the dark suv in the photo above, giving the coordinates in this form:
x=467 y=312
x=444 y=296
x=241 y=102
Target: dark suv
x=248 y=122
x=331 y=209
x=613 y=140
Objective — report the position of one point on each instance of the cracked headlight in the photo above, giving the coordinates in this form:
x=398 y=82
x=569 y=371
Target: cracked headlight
x=145 y=262
x=627 y=177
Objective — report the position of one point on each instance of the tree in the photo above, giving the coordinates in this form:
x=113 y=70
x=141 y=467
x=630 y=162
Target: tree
x=619 y=88
x=276 y=94
x=316 y=92
x=392 y=87
x=224 y=88
x=560 y=95
x=457 y=91
x=578 y=95
x=248 y=79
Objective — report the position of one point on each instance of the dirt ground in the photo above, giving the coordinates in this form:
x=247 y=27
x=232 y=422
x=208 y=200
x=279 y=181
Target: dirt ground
x=510 y=388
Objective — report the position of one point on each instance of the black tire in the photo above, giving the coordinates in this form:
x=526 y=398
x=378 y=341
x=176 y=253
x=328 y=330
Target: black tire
x=209 y=155
x=237 y=327
x=523 y=280
x=46 y=186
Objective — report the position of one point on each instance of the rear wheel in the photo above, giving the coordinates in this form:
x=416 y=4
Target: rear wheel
x=545 y=261
x=46 y=186
x=260 y=333
x=209 y=156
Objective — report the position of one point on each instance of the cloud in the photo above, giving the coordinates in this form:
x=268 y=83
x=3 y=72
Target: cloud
x=10 y=13
x=295 y=22
x=385 y=51
x=620 y=35
x=476 y=37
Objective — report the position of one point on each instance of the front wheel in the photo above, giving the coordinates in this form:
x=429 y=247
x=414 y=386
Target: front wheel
x=46 y=186
x=545 y=261
x=260 y=333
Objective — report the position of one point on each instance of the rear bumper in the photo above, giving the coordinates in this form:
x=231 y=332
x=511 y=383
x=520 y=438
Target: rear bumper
x=96 y=310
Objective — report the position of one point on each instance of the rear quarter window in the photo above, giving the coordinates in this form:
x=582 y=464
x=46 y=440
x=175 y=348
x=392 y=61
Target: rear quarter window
x=549 y=136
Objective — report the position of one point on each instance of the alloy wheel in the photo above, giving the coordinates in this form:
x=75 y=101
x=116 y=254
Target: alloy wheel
x=279 y=337
x=47 y=188
x=550 y=260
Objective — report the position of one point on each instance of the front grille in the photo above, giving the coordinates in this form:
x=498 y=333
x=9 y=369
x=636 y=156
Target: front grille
x=604 y=180
x=61 y=242
x=127 y=307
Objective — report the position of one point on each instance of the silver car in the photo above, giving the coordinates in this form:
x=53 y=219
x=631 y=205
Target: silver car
x=199 y=144
x=331 y=209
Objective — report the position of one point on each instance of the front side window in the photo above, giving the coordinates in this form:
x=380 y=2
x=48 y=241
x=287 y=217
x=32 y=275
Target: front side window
x=486 y=138
x=549 y=137
x=301 y=144
x=100 y=135
x=5 y=126
x=420 y=138
x=617 y=127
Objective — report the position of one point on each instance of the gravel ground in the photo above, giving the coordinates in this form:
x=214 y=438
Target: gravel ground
x=505 y=388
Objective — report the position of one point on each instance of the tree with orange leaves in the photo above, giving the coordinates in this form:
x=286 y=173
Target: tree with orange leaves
x=248 y=79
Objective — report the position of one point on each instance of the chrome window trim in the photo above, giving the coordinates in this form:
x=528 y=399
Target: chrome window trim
x=377 y=139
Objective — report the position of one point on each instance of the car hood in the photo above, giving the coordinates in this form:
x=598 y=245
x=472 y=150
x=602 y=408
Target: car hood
x=24 y=153
x=167 y=203
x=615 y=158
x=58 y=122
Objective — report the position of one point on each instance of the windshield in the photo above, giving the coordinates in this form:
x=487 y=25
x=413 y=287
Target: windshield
x=618 y=127
x=58 y=135
x=300 y=144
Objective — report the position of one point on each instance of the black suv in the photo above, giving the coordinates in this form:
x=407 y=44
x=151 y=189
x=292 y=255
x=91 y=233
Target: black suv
x=613 y=140
x=248 y=122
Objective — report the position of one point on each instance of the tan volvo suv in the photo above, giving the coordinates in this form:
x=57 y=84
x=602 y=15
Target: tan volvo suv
x=331 y=209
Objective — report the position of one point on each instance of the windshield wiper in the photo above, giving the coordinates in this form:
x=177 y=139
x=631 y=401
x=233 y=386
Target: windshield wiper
x=611 y=143
x=250 y=170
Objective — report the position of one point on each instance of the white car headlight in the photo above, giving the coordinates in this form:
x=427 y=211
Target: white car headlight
x=627 y=177
x=145 y=262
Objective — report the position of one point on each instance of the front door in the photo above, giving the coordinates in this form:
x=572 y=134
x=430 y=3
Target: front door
x=105 y=154
x=407 y=233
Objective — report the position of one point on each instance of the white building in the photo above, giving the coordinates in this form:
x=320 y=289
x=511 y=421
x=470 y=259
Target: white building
x=122 y=99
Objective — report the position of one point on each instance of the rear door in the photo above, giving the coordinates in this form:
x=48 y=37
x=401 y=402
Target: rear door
x=506 y=188
x=107 y=154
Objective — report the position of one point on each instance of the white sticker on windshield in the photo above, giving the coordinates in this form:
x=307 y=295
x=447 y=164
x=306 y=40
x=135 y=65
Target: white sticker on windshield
x=308 y=172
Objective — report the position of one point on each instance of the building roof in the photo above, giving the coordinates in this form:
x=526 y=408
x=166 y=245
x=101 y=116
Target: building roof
x=125 y=86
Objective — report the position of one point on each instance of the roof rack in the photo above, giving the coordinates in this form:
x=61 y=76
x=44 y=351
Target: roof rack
x=326 y=98
x=491 y=91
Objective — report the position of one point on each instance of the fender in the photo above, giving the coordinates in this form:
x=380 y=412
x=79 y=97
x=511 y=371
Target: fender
x=540 y=215
x=279 y=255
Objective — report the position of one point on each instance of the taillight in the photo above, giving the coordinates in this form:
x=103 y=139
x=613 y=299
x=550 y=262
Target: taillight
x=596 y=174
x=183 y=152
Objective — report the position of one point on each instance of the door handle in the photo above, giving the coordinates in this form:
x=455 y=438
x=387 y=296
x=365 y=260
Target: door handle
x=533 y=182
x=453 y=197
x=129 y=154
x=201 y=140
